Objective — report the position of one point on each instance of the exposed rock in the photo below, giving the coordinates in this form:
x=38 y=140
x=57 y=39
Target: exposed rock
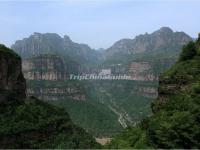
x=54 y=93
x=50 y=68
x=161 y=39
x=149 y=92
x=44 y=67
x=141 y=71
x=12 y=80
x=52 y=43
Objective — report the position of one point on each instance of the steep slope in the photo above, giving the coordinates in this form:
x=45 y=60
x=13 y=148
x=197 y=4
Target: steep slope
x=175 y=122
x=12 y=80
x=148 y=55
x=160 y=49
x=164 y=38
x=51 y=43
x=29 y=122
x=44 y=67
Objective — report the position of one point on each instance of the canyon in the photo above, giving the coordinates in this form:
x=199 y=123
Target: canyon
x=49 y=59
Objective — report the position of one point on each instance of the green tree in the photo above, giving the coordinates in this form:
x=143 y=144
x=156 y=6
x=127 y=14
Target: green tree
x=188 y=52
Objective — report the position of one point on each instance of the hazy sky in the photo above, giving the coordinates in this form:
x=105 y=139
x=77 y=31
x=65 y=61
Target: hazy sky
x=98 y=23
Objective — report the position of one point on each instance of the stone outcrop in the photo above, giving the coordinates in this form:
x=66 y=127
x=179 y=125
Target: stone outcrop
x=44 y=67
x=51 y=70
x=12 y=82
x=149 y=92
x=57 y=93
x=141 y=71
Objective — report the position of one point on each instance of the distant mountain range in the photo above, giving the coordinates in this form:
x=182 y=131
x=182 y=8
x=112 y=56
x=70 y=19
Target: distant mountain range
x=38 y=43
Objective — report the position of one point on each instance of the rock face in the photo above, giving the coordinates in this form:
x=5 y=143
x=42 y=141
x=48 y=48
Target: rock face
x=52 y=43
x=161 y=39
x=11 y=78
x=141 y=71
x=51 y=70
x=51 y=93
x=149 y=92
x=44 y=67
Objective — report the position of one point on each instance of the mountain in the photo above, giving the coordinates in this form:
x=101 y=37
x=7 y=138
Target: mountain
x=26 y=122
x=52 y=43
x=103 y=108
x=175 y=123
x=164 y=38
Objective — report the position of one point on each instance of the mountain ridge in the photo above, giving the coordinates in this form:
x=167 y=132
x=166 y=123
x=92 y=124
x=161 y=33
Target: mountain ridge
x=39 y=43
x=148 y=42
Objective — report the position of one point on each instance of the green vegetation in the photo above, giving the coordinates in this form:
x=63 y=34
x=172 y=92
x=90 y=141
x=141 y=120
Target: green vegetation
x=6 y=50
x=149 y=56
x=35 y=124
x=188 y=52
x=160 y=60
x=175 y=122
x=95 y=118
x=95 y=114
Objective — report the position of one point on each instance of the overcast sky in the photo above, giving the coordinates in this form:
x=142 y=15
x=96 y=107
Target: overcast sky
x=98 y=23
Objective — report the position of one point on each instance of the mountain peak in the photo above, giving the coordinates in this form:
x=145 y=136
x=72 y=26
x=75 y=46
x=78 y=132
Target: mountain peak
x=166 y=29
x=67 y=38
x=36 y=33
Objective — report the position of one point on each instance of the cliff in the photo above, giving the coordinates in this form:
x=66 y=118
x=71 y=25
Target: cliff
x=12 y=80
x=50 y=90
x=32 y=124
x=142 y=71
x=52 y=43
x=44 y=67
x=46 y=76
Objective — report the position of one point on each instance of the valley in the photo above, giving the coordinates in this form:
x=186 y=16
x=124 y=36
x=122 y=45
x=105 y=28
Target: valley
x=101 y=107
x=99 y=74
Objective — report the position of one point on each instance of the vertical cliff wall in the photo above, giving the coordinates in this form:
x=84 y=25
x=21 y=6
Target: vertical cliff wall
x=12 y=82
x=44 y=67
